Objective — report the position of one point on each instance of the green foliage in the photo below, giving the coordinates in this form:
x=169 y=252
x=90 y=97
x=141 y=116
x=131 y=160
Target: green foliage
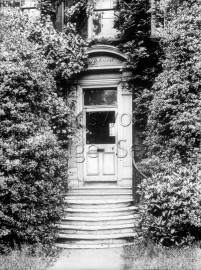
x=48 y=8
x=65 y=52
x=154 y=164
x=149 y=256
x=174 y=126
x=76 y=8
x=133 y=20
x=170 y=207
x=25 y=259
x=35 y=126
x=77 y=13
x=132 y=15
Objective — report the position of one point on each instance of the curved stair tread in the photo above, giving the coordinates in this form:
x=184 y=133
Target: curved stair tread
x=96 y=227
x=96 y=236
x=102 y=187
x=92 y=246
x=98 y=194
x=98 y=201
x=99 y=218
x=99 y=210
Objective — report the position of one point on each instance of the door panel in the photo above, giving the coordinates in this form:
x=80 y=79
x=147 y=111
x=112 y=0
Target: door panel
x=92 y=165
x=109 y=163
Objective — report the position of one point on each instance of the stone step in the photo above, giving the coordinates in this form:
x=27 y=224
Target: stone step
x=93 y=246
x=88 y=221
x=95 y=219
x=99 y=210
x=101 y=203
x=94 y=196
x=98 y=216
x=103 y=239
x=95 y=227
x=98 y=190
x=96 y=232
x=99 y=184
x=93 y=242
x=97 y=236
x=73 y=212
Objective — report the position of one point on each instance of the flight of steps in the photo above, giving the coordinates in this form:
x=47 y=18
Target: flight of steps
x=98 y=217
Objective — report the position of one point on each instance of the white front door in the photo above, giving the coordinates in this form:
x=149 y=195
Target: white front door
x=100 y=134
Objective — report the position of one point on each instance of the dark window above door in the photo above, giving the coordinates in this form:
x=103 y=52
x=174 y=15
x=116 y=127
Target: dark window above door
x=100 y=96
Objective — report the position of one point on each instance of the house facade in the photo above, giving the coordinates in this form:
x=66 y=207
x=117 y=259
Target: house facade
x=100 y=211
x=104 y=148
x=103 y=151
x=100 y=205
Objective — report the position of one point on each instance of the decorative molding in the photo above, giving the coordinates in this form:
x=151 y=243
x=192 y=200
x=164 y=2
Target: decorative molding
x=84 y=82
x=105 y=57
x=126 y=91
x=107 y=49
x=104 y=61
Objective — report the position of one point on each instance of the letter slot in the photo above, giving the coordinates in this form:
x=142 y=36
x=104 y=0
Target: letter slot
x=100 y=150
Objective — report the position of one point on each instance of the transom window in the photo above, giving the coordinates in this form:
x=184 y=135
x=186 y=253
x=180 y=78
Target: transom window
x=103 y=18
x=100 y=96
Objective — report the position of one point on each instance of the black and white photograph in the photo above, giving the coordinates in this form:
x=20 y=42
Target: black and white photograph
x=100 y=134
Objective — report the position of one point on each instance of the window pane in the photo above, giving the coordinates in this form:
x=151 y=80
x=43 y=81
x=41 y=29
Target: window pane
x=29 y=3
x=97 y=23
x=100 y=127
x=108 y=23
x=103 y=22
x=100 y=96
x=105 y=4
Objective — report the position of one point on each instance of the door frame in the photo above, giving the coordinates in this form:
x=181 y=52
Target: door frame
x=81 y=108
x=105 y=74
x=124 y=104
x=87 y=108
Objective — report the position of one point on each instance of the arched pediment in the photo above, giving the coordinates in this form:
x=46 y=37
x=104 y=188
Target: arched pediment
x=105 y=57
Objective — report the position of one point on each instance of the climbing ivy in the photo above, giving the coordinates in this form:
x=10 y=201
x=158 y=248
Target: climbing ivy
x=164 y=69
x=172 y=136
x=174 y=126
x=48 y=8
x=133 y=21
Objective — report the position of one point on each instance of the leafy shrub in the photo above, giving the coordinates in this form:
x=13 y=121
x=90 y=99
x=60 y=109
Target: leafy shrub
x=133 y=20
x=174 y=126
x=35 y=127
x=154 y=164
x=170 y=212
